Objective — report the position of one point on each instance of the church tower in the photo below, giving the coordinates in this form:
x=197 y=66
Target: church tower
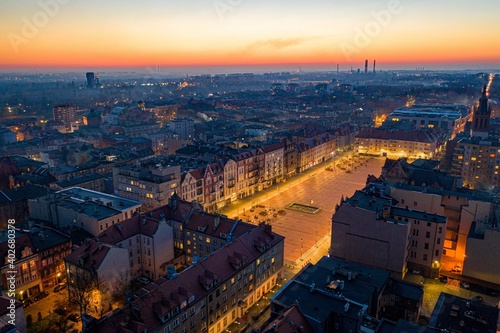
x=481 y=117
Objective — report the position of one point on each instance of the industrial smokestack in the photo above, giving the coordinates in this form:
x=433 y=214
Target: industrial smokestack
x=366 y=66
x=374 y=68
x=338 y=69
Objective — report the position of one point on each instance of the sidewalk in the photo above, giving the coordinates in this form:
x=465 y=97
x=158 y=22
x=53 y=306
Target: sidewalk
x=256 y=316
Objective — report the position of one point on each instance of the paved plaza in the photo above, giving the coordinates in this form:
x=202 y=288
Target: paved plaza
x=319 y=188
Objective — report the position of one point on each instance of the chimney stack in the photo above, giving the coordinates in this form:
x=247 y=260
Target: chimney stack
x=374 y=68
x=366 y=66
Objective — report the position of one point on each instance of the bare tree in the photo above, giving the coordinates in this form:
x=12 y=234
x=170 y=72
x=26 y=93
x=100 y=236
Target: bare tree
x=81 y=286
x=120 y=287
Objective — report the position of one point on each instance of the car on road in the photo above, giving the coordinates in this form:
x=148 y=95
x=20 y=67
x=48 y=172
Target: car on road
x=74 y=317
x=457 y=268
x=143 y=280
x=41 y=296
x=443 y=279
x=465 y=284
x=62 y=310
x=478 y=299
x=60 y=287
x=27 y=302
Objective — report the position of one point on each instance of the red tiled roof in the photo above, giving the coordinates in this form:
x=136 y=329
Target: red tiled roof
x=416 y=136
x=161 y=295
x=291 y=321
x=272 y=147
x=93 y=254
x=136 y=225
x=21 y=243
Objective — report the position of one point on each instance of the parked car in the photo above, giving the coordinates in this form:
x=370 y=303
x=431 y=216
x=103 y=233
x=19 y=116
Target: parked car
x=60 y=287
x=143 y=280
x=478 y=299
x=41 y=296
x=61 y=311
x=465 y=284
x=74 y=317
x=457 y=268
x=443 y=279
x=27 y=302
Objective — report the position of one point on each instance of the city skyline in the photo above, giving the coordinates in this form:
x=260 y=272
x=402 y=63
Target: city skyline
x=399 y=34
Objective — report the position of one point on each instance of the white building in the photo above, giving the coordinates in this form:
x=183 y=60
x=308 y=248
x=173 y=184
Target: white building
x=90 y=210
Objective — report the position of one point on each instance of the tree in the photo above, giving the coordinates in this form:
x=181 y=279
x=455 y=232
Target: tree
x=120 y=287
x=29 y=321
x=81 y=288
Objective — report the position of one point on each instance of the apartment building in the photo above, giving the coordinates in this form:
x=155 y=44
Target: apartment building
x=210 y=294
x=363 y=232
x=273 y=164
x=290 y=158
x=315 y=150
x=95 y=266
x=477 y=161
x=445 y=117
x=39 y=261
x=460 y=207
x=150 y=244
x=27 y=264
x=483 y=239
x=82 y=208
x=427 y=239
x=183 y=128
x=336 y=295
x=247 y=174
x=397 y=143
x=150 y=181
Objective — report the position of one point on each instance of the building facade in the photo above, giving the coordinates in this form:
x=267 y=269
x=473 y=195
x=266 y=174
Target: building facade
x=477 y=161
x=202 y=299
x=396 y=144
x=148 y=181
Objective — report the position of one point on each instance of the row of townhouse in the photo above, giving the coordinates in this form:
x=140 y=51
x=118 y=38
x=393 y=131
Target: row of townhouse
x=313 y=151
x=37 y=260
x=243 y=174
x=174 y=234
x=144 y=245
x=231 y=176
x=209 y=295
x=397 y=143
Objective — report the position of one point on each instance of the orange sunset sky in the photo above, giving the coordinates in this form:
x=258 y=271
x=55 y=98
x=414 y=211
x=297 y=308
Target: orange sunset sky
x=72 y=33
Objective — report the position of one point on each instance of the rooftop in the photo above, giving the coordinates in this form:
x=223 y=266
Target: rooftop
x=90 y=255
x=79 y=180
x=417 y=214
x=316 y=305
x=458 y=314
x=190 y=285
x=346 y=280
x=401 y=135
x=111 y=201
